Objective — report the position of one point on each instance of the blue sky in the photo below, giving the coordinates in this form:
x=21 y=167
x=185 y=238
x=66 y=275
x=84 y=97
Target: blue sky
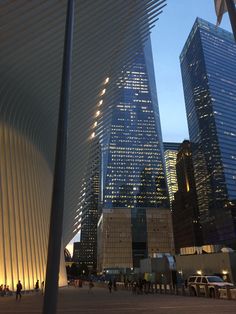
x=168 y=38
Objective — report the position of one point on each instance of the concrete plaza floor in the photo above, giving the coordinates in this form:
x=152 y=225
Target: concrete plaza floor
x=78 y=300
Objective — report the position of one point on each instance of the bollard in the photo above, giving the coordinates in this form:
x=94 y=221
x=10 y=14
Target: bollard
x=190 y=289
x=155 y=287
x=160 y=288
x=217 y=294
x=165 y=288
x=183 y=290
x=206 y=291
x=152 y=289
x=168 y=288
x=171 y=289
x=176 y=290
x=228 y=293
x=198 y=290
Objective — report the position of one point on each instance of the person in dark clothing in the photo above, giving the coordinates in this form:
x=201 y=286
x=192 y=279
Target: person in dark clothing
x=114 y=285
x=18 y=290
x=36 y=286
x=91 y=285
x=110 y=285
x=174 y=278
x=42 y=287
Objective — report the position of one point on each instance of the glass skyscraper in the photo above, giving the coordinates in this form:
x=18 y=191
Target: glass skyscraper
x=170 y=154
x=132 y=167
x=208 y=64
x=86 y=250
x=133 y=174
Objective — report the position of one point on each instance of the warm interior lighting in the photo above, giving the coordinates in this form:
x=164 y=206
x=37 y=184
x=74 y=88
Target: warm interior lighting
x=106 y=80
x=199 y=272
x=98 y=113
x=187 y=184
x=100 y=102
x=224 y=272
x=95 y=124
x=93 y=135
x=103 y=92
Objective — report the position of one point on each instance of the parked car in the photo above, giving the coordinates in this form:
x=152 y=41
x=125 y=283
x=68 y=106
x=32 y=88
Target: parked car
x=211 y=281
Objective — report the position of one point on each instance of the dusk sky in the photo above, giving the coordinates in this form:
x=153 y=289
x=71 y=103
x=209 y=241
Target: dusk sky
x=168 y=38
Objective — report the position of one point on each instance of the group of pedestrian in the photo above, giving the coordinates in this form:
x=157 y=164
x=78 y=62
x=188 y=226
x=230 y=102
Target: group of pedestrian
x=5 y=290
x=141 y=286
x=78 y=283
x=36 y=287
x=19 y=288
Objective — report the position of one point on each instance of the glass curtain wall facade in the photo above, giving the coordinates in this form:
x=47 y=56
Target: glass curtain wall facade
x=133 y=160
x=89 y=214
x=209 y=81
x=132 y=157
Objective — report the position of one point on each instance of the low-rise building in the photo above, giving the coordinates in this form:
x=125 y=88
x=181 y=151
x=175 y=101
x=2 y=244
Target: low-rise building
x=221 y=263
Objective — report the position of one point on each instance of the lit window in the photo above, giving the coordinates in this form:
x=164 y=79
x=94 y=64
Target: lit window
x=103 y=92
x=106 y=80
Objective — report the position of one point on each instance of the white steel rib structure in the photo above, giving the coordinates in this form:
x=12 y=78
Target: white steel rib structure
x=106 y=35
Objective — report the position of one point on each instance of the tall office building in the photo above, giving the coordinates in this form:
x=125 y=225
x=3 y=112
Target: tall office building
x=170 y=155
x=185 y=212
x=89 y=214
x=76 y=249
x=134 y=193
x=209 y=80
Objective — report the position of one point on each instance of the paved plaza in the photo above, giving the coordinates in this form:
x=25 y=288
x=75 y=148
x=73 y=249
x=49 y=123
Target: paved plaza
x=78 y=300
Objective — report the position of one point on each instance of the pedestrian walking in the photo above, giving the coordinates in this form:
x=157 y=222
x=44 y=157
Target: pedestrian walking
x=37 y=286
x=42 y=287
x=1 y=291
x=18 y=290
x=110 y=285
x=91 y=285
x=114 y=285
x=134 y=287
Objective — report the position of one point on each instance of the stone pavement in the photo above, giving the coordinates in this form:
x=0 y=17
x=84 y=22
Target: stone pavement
x=78 y=300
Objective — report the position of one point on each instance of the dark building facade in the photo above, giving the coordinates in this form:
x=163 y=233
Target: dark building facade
x=76 y=249
x=209 y=81
x=132 y=156
x=171 y=146
x=87 y=253
x=185 y=212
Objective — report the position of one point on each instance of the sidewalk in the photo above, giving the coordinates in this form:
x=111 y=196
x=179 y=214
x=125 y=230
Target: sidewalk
x=100 y=301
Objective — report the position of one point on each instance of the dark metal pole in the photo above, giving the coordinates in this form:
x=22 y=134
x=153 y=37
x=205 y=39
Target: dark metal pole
x=232 y=15
x=56 y=220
